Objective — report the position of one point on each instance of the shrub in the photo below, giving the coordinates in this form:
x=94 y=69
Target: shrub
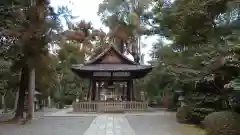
x=222 y=123
x=184 y=114
x=198 y=114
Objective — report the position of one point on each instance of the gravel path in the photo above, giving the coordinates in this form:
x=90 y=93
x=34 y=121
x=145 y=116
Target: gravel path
x=49 y=126
x=154 y=124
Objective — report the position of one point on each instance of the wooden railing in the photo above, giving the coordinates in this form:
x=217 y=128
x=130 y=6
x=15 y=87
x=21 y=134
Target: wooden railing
x=110 y=106
x=85 y=107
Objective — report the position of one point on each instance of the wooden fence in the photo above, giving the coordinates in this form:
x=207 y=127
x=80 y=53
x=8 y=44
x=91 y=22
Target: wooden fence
x=110 y=106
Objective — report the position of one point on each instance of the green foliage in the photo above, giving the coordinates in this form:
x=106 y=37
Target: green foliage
x=46 y=77
x=172 y=101
x=236 y=84
x=184 y=114
x=68 y=85
x=204 y=100
x=17 y=38
x=198 y=50
x=131 y=14
x=6 y=76
x=222 y=123
x=121 y=9
x=234 y=98
x=182 y=19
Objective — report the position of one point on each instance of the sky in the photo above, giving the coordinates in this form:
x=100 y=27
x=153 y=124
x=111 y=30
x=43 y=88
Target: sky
x=87 y=10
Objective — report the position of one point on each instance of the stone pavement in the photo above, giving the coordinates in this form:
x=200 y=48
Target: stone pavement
x=107 y=124
x=121 y=124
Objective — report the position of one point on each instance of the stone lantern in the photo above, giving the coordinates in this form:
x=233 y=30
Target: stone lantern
x=142 y=94
x=180 y=96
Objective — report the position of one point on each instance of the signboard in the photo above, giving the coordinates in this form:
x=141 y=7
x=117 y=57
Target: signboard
x=111 y=74
x=104 y=74
x=122 y=74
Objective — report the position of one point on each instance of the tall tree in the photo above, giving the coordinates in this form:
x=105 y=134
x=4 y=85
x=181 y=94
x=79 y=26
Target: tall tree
x=29 y=30
x=199 y=50
x=126 y=22
x=69 y=86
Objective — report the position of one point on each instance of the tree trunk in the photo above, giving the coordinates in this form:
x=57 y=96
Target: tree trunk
x=31 y=94
x=22 y=89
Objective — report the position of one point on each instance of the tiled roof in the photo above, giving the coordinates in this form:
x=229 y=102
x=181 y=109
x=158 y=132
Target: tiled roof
x=107 y=50
x=111 y=67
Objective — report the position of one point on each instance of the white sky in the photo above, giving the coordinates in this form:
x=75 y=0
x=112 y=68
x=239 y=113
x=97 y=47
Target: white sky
x=87 y=10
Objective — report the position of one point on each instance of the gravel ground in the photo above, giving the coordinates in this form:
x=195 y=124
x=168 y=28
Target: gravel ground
x=154 y=125
x=49 y=126
x=38 y=114
x=162 y=123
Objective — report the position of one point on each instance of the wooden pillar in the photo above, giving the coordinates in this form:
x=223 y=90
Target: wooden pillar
x=99 y=90
x=128 y=90
x=93 y=95
x=131 y=90
x=89 y=90
x=97 y=97
x=96 y=90
x=123 y=91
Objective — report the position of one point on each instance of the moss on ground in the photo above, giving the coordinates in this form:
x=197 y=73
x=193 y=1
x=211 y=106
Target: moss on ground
x=186 y=129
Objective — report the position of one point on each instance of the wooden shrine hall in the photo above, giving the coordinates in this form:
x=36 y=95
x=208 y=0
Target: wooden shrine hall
x=107 y=71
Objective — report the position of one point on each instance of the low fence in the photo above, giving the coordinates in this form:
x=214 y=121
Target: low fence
x=110 y=106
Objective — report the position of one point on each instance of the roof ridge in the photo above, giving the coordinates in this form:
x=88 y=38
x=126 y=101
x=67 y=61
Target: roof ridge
x=111 y=46
x=133 y=62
